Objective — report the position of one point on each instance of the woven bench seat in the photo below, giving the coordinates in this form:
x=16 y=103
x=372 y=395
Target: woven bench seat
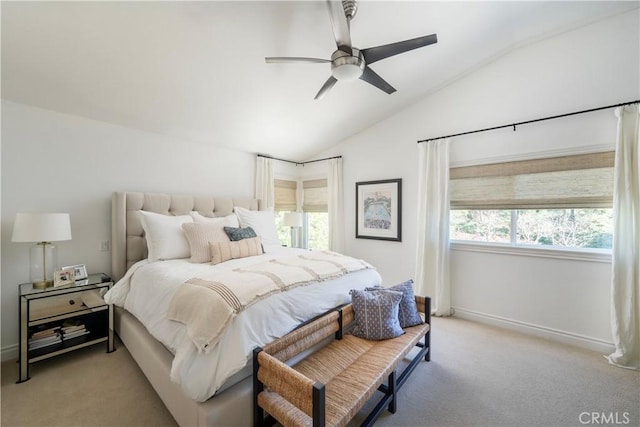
x=349 y=370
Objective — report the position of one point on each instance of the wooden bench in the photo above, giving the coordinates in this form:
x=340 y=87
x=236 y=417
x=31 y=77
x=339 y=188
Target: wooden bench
x=330 y=386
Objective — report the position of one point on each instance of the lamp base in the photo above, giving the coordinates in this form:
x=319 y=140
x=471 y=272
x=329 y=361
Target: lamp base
x=42 y=284
x=44 y=259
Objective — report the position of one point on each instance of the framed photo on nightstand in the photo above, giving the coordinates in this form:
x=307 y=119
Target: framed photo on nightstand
x=65 y=276
x=80 y=271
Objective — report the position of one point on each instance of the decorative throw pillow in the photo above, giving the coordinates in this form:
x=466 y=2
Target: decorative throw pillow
x=224 y=251
x=200 y=234
x=239 y=233
x=408 y=314
x=262 y=222
x=376 y=314
x=164 y=235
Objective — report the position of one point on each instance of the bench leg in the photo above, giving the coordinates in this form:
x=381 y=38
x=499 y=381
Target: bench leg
x=318 y=405
x=427 y=344
x=392 y=392
x=258 y=387
x=427 y=337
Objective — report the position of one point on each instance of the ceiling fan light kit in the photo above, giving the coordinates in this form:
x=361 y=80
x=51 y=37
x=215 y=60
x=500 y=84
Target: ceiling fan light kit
x=345 y=67
x=350 y=63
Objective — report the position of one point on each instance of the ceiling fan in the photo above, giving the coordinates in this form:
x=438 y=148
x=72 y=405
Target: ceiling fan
x=348 y=62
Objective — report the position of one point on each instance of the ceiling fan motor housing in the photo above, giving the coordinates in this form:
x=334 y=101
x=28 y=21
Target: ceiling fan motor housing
x=345 y=66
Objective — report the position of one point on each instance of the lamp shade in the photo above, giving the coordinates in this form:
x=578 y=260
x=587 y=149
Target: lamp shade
x=41 y=227
x=292 y=219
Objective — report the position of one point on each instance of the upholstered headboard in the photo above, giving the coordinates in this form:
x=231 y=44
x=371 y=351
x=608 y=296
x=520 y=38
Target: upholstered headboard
x=128 y=242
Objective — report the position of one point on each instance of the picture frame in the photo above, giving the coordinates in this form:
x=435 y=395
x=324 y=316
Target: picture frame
x=379 y=210
x=80 y=271
x=64 y=276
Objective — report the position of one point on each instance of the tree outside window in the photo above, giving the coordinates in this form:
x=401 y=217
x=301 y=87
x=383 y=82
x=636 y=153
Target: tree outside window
x=567 y=228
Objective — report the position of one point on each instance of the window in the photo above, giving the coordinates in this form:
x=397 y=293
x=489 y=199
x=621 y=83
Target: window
x=560 y=202
x=315 y=207
x=284 y=232
x=481 y=226
x=285 y=195
x=285 y=201
x=567 y=228
x=315 y=229
x=315 y=195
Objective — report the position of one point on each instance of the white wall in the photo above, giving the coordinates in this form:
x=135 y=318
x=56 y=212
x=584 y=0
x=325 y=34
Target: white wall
x=54 y=162
x=588 y=67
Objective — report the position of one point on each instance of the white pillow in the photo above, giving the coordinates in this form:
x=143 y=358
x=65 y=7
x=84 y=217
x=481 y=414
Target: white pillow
x=164 y=234
x=262 y=222
x=232 y=219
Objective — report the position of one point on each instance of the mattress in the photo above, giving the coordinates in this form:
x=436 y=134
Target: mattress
x=146 y=291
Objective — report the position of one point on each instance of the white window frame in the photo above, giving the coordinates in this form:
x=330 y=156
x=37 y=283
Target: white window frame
x=546 y=251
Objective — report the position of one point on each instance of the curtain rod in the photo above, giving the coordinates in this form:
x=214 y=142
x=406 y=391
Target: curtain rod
x=513 y=125
x=298 y=163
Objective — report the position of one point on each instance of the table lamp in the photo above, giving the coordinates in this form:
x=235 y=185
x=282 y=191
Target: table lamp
x=42 y=228
x=293 y=220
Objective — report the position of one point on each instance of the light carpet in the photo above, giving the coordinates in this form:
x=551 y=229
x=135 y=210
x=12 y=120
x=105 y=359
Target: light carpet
x=479 y=375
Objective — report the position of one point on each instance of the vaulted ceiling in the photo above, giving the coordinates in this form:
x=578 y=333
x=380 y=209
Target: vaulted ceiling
x=196 y=70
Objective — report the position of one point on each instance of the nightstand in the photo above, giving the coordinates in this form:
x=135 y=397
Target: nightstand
x=55 y=321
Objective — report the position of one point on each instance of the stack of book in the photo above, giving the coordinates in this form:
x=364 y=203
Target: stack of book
x=73 y=329
x=45 y=337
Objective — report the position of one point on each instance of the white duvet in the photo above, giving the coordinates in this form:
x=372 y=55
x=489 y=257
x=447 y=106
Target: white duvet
x=146 y=290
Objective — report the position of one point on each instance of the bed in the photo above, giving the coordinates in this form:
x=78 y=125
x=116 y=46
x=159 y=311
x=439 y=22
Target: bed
x=200 y=385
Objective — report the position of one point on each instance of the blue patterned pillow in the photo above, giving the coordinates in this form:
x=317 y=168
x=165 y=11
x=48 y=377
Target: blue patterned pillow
x=408 y=314
x=238 y=233
x=376 y=314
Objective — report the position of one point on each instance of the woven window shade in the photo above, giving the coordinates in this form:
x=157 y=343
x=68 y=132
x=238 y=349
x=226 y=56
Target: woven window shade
x=285 y=194
x=580 y=181
x=316 y=195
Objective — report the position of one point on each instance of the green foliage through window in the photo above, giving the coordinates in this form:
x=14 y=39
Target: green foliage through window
x=315 y=228
x=284 y=232
x=318 y=230
x=568 y=228
x=482 y=226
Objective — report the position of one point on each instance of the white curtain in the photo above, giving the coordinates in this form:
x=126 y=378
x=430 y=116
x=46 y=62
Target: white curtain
x=335 y=205
x=432 y=263
x=625 y=285
x=265 y=189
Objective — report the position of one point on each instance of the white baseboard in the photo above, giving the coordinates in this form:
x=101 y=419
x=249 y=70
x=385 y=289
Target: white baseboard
x=9 y=352
x=589 y=343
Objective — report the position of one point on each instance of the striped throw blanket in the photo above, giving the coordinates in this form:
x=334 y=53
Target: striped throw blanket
x=207 y=304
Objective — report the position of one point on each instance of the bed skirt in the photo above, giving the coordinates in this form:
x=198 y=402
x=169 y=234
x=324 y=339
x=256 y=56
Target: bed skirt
x=232 y=407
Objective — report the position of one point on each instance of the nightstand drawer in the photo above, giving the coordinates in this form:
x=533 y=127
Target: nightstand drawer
x=62 y=306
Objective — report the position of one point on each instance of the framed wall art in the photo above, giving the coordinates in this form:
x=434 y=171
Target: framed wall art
x=379 y=210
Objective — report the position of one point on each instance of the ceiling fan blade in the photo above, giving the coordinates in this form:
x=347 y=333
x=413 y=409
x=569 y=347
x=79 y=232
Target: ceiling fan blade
x=371 y=77
x=325 y=87
x=377 y=53
x=288 y=59
x=340 y=25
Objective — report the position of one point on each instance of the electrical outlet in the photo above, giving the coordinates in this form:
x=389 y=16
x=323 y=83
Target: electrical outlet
x=104 y=245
